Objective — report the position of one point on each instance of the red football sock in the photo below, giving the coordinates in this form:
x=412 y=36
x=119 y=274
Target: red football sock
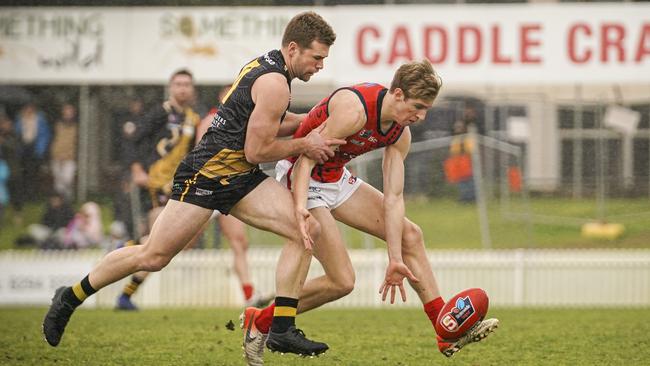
x=263 y=322
x=248 y=290
x=432 y=308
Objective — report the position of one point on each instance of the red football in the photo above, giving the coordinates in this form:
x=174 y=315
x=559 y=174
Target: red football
x=461 y=312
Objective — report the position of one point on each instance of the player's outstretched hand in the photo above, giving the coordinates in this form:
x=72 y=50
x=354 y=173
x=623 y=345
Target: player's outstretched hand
x=302 y=215
x=321 y=149
x=395 y=274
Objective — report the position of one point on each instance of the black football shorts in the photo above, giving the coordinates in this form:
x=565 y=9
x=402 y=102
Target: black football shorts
x=219 y=193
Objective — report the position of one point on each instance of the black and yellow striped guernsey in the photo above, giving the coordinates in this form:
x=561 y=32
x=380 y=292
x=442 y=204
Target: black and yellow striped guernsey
x=217 y=165
x=221 y=151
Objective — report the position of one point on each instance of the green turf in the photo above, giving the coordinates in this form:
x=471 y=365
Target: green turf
x=356 y=337
x=448 y=224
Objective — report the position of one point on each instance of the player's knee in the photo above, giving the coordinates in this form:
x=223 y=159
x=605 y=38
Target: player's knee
x=158 y=262
x=314 y=229
x=239 y=245
x=412 y=237
x=344 y=285
x=152 y=261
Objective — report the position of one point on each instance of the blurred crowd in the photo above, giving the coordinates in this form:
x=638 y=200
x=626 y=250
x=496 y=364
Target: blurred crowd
x=38 y=160
x=38 y=164
x=39 y=150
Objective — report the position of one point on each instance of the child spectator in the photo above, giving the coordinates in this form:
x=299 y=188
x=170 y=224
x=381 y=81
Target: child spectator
x=85 y=230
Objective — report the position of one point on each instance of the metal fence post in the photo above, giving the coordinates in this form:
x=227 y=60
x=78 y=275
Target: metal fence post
x=519 y=274
x=477 y=174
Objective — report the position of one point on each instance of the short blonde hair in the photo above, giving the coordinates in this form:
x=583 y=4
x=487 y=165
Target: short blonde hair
x=418 y=80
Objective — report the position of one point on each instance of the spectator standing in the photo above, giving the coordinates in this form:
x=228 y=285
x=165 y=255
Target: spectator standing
x=4 y=189
x=458 y=167
x=8 y=154
x=124 y=126
x=34 y=135
x=63 y=151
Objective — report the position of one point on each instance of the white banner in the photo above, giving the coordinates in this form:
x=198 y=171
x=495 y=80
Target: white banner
x=501 y=44
x=469 y=44
x=32 y=277
x=135 y=45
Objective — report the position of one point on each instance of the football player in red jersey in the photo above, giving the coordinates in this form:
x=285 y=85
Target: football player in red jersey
x=368 y=116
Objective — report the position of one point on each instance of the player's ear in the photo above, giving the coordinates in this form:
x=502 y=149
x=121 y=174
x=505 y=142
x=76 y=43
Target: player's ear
x=293 y=48
x=399 y=94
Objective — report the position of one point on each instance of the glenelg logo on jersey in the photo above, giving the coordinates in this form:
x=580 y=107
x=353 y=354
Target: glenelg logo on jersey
x=365 y=133
x=463 y=310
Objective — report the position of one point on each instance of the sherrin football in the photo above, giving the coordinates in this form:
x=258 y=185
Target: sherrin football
x=461 y=312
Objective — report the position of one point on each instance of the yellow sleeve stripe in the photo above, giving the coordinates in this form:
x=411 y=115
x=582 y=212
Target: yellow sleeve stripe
x=245 y=70
x=284 y=311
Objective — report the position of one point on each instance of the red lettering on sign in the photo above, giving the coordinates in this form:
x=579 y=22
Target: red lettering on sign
x=429 y=33
x=611 y=37
x=472 y=32
x=400 y=47
x=362 y=36
x=527 y=43
x=467 y=44
x=574 y=56
x=643 y=49
x=497 y=57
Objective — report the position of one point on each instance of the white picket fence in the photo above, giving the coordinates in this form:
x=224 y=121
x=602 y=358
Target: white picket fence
x=201 y=278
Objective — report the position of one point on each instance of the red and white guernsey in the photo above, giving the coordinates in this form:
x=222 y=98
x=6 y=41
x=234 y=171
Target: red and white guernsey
x=369 y=138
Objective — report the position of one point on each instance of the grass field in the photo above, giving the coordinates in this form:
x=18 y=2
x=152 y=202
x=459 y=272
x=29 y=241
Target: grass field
x=448 y=224
x=356 y=337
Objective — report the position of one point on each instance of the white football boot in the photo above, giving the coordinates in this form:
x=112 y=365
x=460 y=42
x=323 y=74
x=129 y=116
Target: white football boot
x=479 y=331
x=254 y=340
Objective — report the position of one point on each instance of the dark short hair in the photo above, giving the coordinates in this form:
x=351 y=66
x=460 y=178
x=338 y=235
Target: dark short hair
x=182 y=72
x=307 y=27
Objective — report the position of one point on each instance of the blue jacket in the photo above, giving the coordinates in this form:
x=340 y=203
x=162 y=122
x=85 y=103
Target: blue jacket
x=43 y=134
x=4 y=176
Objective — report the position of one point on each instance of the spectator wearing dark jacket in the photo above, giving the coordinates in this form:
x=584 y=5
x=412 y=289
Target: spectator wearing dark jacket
x=34 y=135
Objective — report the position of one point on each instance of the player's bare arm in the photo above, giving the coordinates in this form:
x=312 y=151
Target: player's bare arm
x=394 y=212
x=139 y=174
x=290 y=124
x=202 y=127
x=143 y=129
x=271 y=96
x=346 y=117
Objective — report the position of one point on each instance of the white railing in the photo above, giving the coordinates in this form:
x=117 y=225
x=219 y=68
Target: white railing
x=205 y=277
